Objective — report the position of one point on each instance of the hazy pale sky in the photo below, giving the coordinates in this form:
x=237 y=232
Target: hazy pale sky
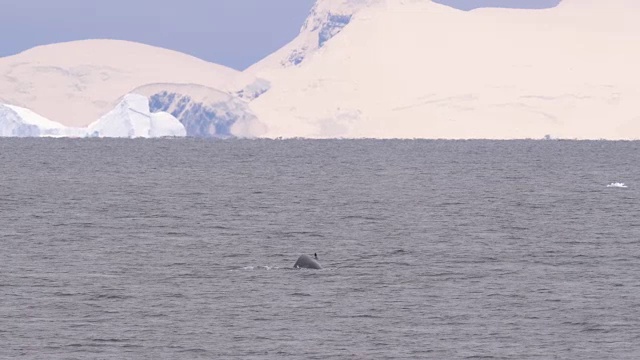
x=235 y=33
x=520 y=4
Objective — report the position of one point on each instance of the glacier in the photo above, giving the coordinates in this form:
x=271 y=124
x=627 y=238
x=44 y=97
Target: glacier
x=204 y=112
x=202 y=119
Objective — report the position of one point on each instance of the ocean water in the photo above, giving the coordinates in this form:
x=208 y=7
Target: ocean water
x=182 y=249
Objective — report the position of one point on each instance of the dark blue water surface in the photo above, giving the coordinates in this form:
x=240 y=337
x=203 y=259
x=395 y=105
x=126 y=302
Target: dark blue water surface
x=182 y=249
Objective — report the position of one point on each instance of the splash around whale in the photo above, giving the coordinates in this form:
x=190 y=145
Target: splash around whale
x=307 y=262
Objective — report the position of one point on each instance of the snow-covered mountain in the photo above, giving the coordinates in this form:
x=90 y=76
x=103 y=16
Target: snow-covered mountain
x=359 y=68
x=75 y=83
x=132 y=118
x=419 y=69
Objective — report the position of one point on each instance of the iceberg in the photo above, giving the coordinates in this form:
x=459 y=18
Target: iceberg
x=132 y=118
x=13 y=125
x=17 y=121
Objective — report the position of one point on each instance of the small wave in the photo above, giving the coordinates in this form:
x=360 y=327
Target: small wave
x=364 y=316
x=113 y=340
x=110 y=297
x=617 y=185
x=194 y=350
x=400 y=251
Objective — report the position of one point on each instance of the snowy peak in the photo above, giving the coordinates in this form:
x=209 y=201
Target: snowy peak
x=326 y=19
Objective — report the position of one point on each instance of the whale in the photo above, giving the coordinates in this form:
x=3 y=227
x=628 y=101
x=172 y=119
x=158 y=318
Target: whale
x=307 y=262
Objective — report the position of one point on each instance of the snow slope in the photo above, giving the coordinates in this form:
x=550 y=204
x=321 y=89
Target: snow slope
x=131 y=118
x=418 y=69
x=74 y=83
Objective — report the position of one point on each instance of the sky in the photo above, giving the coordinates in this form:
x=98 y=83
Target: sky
x=235 y=33
x=518 y=4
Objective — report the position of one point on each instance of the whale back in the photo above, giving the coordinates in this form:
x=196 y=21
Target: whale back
x=306 y=262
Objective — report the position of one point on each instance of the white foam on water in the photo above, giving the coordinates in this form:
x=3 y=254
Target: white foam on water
x=264 y=267
x=617 y=185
